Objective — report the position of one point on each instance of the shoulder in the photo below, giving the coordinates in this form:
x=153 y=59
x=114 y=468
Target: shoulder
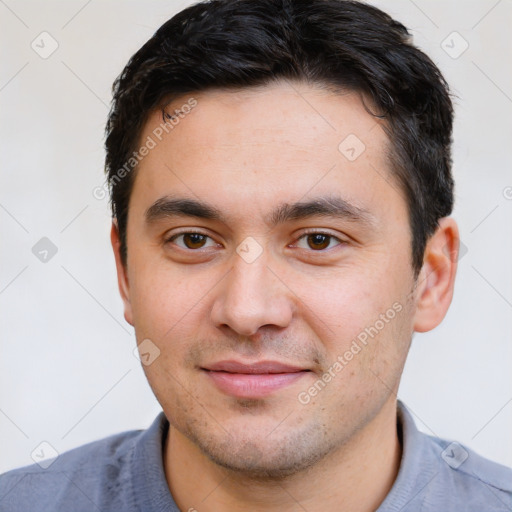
x=465 y=473
x=439 y=474
x=84 y=478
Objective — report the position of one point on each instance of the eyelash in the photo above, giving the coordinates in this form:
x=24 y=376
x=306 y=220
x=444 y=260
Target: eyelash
x=176 y=235
x=303 y=235
x=324 y=233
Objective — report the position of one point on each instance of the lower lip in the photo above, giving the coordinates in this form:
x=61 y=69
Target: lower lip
x=242 y=385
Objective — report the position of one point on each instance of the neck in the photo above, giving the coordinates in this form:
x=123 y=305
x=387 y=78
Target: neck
x=355 y=477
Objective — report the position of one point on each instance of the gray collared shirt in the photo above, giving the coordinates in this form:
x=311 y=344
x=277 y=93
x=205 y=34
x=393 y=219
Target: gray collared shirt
x=125 y=473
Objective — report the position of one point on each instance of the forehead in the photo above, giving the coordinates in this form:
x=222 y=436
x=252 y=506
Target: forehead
x=301 y=114
x=254 y=146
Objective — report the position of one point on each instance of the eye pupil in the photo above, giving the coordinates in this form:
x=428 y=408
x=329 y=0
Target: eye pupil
x=194 y=240
x=318 y=241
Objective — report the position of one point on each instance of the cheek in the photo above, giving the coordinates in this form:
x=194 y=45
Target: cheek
x=169 y=311
x=167 y=302
x=342 y=303
x=358 y=314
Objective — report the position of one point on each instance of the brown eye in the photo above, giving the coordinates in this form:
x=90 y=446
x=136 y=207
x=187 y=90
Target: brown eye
x=194 y=240
x=318 y=241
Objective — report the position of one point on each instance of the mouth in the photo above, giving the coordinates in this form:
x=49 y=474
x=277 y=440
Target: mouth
x=254 y=380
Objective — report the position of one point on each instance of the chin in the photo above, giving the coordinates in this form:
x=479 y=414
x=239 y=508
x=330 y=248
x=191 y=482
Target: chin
x=265 y=458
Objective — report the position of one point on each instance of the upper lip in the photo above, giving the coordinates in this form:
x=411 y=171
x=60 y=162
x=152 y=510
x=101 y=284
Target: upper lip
x=261 y=367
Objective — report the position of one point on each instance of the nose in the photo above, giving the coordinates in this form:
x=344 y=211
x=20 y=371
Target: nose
x=252 y=296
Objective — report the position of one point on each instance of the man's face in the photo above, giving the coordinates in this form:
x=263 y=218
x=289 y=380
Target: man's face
x=257 y=277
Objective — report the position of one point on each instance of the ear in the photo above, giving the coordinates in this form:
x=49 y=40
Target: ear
x=122 y=275
x=436 y=280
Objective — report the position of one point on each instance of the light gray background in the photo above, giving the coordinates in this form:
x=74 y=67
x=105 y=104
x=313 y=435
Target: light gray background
x=67 y=371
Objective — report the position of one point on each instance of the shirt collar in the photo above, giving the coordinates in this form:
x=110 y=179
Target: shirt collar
x=417 y=465
x=151 y=492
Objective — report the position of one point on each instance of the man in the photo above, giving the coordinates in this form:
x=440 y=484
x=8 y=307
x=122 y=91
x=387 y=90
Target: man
x=280 y=183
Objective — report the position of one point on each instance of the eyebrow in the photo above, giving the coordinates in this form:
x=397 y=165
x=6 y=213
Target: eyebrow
x=167 y=207
x=330 y=206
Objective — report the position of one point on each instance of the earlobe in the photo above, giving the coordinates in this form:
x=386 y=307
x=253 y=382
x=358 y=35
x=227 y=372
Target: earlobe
x=436 y=280
x=122 y=272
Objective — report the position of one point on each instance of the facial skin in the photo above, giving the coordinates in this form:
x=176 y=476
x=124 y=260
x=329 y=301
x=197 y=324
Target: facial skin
x=301 y=302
